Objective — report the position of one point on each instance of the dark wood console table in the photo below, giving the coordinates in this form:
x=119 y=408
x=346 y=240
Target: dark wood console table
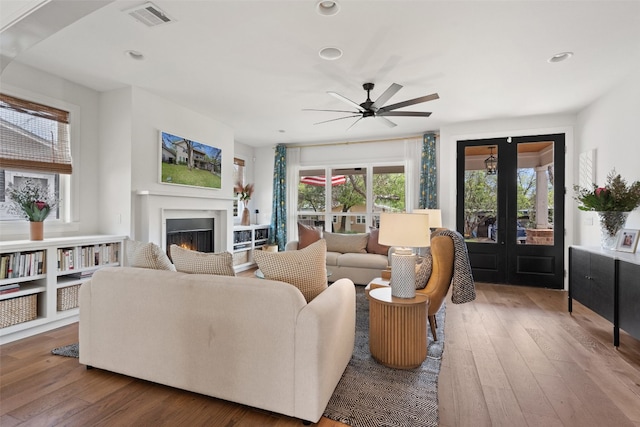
x=607 y=282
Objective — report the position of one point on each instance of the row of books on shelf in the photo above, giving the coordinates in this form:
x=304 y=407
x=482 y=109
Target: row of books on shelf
x=22 y=264
x=88 y=256
x=10 y=288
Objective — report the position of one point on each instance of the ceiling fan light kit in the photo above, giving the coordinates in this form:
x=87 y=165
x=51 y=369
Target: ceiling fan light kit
x=377 y=108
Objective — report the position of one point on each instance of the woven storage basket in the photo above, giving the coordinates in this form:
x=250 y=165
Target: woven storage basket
x=68 y=297
x=240 y=257
x=18 y=310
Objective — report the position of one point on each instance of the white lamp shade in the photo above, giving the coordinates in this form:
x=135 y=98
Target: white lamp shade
x=435 y=216
x=404 y=229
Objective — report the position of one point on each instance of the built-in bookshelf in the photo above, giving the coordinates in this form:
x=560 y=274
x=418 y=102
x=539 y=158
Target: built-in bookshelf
x=246 y=239
x=40 y=280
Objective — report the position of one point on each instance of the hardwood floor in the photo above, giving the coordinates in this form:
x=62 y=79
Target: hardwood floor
x=513 y=357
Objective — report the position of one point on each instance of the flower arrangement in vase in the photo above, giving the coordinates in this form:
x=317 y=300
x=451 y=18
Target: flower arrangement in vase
x=33 y=202
x=245 y=193
x=613 y=202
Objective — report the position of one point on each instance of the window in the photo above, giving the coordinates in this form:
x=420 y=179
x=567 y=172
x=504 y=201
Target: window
x=36 y=145
x=353 y=197
x=238 y=178
x=34 y=137
x=48 y=180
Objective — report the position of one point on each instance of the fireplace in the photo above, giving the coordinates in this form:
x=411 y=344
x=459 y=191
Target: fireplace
x=196 y=234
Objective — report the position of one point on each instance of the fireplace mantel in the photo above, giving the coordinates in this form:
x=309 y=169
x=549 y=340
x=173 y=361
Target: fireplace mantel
x=182 y=195
x=153 y=208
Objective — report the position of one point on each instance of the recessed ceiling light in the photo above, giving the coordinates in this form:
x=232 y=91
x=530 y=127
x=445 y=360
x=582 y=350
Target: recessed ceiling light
x=330 y=53
x=559 y=57
x=134 y=54
x=327 y=8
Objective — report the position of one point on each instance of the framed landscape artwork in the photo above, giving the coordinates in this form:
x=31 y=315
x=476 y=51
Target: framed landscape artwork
x=187 y=162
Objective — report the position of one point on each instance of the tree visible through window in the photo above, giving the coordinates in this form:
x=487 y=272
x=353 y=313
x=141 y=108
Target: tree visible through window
x=356 y=196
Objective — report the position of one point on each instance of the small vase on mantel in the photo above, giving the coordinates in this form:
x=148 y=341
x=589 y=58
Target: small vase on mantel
x=246 y=215
x=611 y=222
x=36 y=230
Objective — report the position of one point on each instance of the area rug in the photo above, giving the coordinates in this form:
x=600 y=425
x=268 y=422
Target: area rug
x=372 y=395
x=70 y=350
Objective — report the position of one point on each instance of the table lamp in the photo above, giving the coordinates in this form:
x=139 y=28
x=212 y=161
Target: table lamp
x=435 y=217
x=404 y=231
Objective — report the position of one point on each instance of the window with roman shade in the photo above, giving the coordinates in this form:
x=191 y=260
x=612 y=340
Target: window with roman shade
x=34 y=137
x=238 y=178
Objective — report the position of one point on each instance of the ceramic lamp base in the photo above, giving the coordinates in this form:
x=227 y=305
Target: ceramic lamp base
x=403 y=274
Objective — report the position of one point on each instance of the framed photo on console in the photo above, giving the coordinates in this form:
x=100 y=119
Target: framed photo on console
x=627 y=240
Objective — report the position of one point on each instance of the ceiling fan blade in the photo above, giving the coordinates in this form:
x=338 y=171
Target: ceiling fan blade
x=386 y=121
x=404 y=113
x=332 y=111
x=409 y=102
x=353 y=124
x=386 y=95
x=339 y=118
x=347 y=100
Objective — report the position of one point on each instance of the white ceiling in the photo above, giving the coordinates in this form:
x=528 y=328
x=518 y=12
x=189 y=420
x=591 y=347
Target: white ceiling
x=254 y=65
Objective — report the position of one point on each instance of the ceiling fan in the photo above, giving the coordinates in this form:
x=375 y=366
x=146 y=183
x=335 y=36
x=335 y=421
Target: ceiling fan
x=376 y=109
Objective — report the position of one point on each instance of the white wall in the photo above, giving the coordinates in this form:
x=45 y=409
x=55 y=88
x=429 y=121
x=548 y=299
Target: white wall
x=115 y=164
x=150 y=115
x=263 y=179
x=610 y=126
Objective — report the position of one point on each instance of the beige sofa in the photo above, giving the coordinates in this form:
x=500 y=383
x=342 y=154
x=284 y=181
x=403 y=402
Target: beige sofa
x=361 y=268
x=246 y=340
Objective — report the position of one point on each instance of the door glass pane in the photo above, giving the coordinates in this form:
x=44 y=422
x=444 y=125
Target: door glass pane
x=535 y=191
x=481 y=194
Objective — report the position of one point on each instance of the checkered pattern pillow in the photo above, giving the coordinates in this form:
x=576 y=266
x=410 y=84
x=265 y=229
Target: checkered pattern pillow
x=305 y=268
x=194 y=262
x=147 y=255
x=423 y=270
x=347 y=243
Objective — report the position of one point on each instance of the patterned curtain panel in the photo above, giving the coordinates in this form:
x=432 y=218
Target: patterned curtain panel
x=279 y=208
x=428 y=173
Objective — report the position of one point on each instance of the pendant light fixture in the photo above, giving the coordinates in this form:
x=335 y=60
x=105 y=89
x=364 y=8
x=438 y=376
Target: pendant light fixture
x=491 y=163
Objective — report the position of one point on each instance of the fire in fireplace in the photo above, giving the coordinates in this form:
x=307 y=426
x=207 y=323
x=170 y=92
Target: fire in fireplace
x=191 y=233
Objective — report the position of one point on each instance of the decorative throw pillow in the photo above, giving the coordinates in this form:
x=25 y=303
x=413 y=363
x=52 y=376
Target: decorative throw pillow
x=423 y=270
x=194 y=262
x=308 y=234
x=347 y=243
x=147 y=255
x=305 y=268
x=373 y=247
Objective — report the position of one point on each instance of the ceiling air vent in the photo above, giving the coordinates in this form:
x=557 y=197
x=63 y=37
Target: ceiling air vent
x=149 y=14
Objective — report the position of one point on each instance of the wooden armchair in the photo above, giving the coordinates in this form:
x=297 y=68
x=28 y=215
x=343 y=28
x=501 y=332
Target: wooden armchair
x=440 y=279
x=442 y=252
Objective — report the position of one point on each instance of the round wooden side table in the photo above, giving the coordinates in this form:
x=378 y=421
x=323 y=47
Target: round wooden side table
x=397 y=329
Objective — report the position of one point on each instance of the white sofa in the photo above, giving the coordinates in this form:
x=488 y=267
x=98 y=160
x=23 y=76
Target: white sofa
x=361 y=268
x=251 y=341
